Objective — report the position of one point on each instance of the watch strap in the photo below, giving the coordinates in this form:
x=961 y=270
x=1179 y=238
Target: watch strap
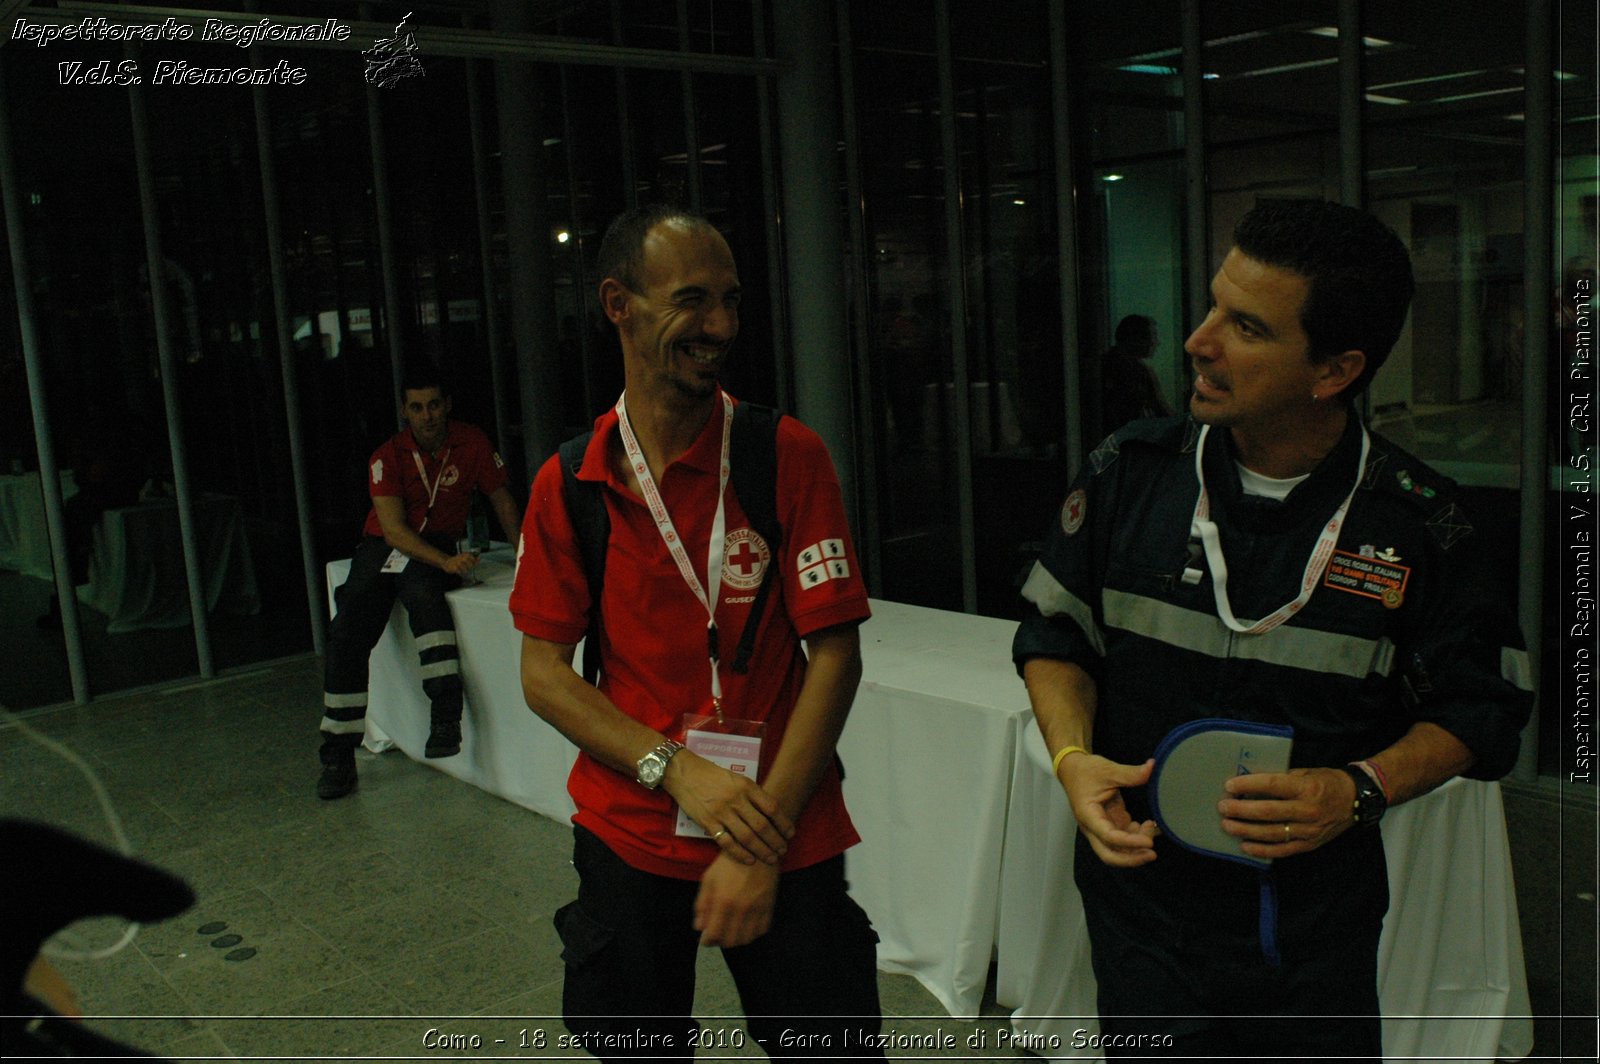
x=1370 y=801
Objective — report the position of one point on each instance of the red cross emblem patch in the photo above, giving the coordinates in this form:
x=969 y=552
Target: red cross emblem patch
x=1073 y=510
x=744 y=559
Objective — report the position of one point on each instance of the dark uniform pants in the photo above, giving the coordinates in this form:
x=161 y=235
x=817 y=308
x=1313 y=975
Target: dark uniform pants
x=809 y=986
x=1192 y=987
x=364 y=602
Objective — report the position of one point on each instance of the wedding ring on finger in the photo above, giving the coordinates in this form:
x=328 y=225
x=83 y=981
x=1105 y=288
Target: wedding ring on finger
x=718 y=836
x=1286 y=836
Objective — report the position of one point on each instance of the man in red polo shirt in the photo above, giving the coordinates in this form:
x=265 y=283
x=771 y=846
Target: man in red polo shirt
x=421 y=482
x=673 y=850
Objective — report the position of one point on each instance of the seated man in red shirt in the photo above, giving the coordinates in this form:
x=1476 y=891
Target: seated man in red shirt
x=421 y=482
x=673 y=850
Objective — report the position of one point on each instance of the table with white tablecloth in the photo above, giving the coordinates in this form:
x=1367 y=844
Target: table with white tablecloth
x=1451 y=980
x=137 y=576
x=24 y=535
x=967 y=840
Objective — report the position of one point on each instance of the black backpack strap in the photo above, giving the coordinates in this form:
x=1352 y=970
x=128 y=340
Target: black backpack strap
x=754 y=459
x=586 y=509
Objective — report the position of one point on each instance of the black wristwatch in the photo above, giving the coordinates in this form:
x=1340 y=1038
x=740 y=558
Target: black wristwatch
x=1370 y=801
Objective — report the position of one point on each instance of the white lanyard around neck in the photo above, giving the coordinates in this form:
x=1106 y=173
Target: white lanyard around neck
x=674 y=542
x=1206 y=529
x=433 y=489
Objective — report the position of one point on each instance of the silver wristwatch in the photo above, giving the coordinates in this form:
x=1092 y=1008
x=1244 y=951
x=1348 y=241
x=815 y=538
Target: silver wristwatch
x=653 y=766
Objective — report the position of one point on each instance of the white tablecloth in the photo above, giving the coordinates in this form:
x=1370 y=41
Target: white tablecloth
x=137 y=576
x=1451 y=980
x=24 y=536
x=928 y=756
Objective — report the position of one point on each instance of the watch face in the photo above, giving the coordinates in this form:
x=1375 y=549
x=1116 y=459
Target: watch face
x=650 y=769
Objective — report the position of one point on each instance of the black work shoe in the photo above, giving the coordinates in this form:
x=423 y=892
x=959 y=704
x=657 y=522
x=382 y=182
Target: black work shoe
x=338 y=774
x=444 y=740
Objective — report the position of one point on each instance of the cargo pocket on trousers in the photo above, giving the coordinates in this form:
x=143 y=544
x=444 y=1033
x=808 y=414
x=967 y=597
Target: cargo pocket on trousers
x=582 y=937
x=585 y=946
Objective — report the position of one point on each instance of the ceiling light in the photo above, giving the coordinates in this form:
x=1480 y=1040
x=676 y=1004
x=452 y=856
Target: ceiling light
x=1428 y=80
x=1112 y=177
x=1333 y=31
x=1475 y=95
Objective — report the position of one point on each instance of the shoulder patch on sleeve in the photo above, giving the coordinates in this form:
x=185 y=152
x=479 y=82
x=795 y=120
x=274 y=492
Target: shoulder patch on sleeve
x=1449 y=526
x=1103 y=455
x=377 y=470
x=1073 y=511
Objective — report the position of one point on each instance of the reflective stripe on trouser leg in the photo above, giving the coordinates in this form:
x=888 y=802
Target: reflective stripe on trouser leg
x=434 y=630
x=344 y=714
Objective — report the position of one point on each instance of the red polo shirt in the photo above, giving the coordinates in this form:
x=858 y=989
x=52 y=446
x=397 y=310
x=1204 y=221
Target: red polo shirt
x=467 y=461
x=653 y=644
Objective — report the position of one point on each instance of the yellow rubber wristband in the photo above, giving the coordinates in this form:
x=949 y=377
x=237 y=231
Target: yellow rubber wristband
x=1055 y=763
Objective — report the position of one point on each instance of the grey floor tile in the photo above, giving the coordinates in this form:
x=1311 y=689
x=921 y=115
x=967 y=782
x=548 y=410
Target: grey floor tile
x=459 y=979
x=200 y=1045
x=539 y=1005
x=525 y=896
x=289 y=961
x=323 y=886
x=125 y=998
x=387 y=927
x=902 y=995
x=353 y=1018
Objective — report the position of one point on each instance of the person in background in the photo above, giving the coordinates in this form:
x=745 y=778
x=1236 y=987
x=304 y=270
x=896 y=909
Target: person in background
x=1129 y=387
x=421 y=481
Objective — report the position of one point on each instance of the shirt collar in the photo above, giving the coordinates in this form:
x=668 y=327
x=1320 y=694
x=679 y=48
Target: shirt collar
x=1324 y=489
x=704 y=454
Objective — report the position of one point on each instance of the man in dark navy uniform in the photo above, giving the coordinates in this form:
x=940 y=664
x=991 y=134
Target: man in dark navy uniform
x=1265 y=559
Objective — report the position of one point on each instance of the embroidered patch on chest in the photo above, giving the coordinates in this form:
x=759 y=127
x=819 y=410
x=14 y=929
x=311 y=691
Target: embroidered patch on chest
x=1370 y=577
x=745 y=559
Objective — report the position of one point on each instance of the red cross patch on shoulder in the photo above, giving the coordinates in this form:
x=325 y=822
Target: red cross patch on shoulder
x=1073 y=511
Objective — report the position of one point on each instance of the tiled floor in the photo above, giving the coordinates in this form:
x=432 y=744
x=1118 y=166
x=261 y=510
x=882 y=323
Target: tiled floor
x=416 y=903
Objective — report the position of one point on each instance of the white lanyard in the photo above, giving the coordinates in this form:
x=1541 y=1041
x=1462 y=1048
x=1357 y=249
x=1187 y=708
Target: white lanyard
x=433 y=489
x=674 y=542
x=1206 y=529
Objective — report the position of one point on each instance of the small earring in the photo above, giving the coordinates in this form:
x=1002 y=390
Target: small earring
x=1315 y=397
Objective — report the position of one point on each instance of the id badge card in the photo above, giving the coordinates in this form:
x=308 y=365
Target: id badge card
x=395 y=562
x=733 y=744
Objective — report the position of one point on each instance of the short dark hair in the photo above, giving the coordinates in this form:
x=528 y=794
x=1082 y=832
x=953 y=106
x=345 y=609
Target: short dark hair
x=421 y=374
x=1357 y=270
x=622 y=248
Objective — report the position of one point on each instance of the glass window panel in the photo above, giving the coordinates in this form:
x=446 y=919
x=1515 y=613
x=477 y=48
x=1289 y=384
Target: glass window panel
x=1133 y=216
x=897 y=103
x=1014 y=356
x=1444 y=169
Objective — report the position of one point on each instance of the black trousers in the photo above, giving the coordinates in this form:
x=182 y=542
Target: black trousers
x=809 y=986
x=1197 y=984
x=364 y=602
